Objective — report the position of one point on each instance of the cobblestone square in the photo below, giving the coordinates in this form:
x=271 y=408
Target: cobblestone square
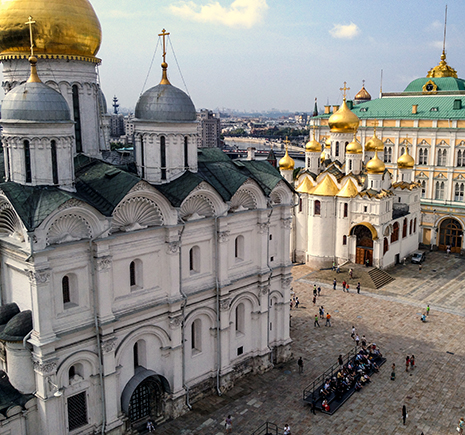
x=390 y=317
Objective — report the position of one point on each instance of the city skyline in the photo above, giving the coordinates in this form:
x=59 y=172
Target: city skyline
x=254 y=55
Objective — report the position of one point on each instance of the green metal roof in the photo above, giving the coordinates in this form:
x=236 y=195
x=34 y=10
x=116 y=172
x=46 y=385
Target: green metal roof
x=445 y=84
x=103 y=186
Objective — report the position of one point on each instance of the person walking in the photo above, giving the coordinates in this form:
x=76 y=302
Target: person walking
x=315 y=323
x=412 y=362
x=287 y=430
x=328 y=320
x=404 y=414
x=300 y=363
x=150 y=426
x=297 y=302
x=353 y=333
x=407 y=363
x=393 y=372
x=340 y=361
x=344 y=285
x=334 y=284
x=461 y=426
x=228 y=424
x=314 y=300
x=334 y=266
x=322 y=312
x=357 y=340
x=314 y=290
x=347 y=287
x=319 y=290
x=351 y=273
x=358 y=288
x=427 y=310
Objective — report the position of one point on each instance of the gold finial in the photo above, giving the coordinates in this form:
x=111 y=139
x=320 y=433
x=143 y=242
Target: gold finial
x=345 y=88
x=287 y=142
x=164 y=65
x=363 y=83
x=375 y=124
x=313 y=131
x=33 y=78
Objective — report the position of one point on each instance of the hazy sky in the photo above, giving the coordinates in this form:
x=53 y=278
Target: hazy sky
x=263 y=54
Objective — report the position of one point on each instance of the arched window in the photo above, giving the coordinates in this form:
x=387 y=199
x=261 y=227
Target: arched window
x=142 y=156
x=346 y=209
x=350 y=164
x=336 y=150
x=459 y=192
x=423 y=156
x=194 y=260
x=135 y=274
x=239 y=248
x=196 y=335
x=404 y=229
x=163 y=157
x=402 y=151
x=460 y=158
x=395 y=232
x=344 y=240
x=387 y=154
x=423 y=188
x=75 y=373
x=300 y=205
x=317 y=208
x=77 y=119
x=385 y=245
x=439 y=191
x=53 y=149
x=186 y=152
x=65 y=289
x=139 y=353
x=240 y=318
x=442 y=157
x=27 y=161
x=415 y=225
x=411 y=226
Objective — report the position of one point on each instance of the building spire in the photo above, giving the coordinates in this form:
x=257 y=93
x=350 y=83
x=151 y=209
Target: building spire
x=444 y=41
x=33 y=78
x=164 y=65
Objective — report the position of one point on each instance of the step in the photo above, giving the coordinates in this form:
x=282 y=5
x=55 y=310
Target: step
x=380 y=277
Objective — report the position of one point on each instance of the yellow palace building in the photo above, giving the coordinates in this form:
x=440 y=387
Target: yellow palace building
x=428 y=117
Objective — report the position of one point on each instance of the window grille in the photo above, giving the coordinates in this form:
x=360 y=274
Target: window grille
x=77 y=411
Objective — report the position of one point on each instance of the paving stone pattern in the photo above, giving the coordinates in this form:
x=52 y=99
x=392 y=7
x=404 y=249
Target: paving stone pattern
x=390 y=317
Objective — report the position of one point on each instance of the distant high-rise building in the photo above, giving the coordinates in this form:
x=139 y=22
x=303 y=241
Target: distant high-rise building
x=117 y=125
x=209 y=129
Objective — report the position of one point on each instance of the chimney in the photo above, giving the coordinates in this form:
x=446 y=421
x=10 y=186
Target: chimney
x=414 y=109
x=251 y=153
x=327 y=110
x=335 y=108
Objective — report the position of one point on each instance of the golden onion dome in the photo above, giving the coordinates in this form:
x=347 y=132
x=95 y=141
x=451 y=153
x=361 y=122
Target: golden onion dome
x=344 y=120
x=287 y=162
x=363 y=95
x=354 y=147
x=405 y=161
x=375 y=165
x=313 y=146
x=62 y=29
x=374 y=144
x=328 y=143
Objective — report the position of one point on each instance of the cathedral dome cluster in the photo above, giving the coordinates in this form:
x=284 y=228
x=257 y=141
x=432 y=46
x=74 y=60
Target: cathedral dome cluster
x=62 y=29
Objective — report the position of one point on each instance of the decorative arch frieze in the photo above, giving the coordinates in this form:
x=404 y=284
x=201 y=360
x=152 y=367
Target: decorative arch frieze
x=10 y=223
x=68 y=227
x=136 y=213
x=281 y=194
x=197 y=206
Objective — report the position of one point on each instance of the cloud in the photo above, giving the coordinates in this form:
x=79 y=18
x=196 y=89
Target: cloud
x=241 y=13
x=344 y=31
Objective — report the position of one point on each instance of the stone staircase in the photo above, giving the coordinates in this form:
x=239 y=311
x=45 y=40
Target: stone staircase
x=379 y=277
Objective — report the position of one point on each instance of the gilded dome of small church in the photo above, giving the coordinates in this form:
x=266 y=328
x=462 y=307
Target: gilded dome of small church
x=61 y=29
x=344 y=120
x=287 y=162
x=375 y=165
x=374 y=144
x=363 y=95
x=442 y=70
x=405 y=161
x=354 y=147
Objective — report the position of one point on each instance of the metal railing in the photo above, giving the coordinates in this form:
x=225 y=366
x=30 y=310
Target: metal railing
x=267 y=429
x=317 y=384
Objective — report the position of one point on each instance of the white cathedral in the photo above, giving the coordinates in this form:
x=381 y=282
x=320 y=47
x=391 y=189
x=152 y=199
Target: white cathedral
x=126 y=292
x=350 y=208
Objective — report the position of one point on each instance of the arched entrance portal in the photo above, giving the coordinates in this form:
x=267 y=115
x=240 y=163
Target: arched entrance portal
x=450 y=234
x=364 y=244
x=142 y=397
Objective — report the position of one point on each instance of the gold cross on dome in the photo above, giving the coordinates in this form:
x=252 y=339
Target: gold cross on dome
x=164 y=33
x=30 y=22
x=375 y=124
x=313 y=128
x=287 y=142
x=345 y=88
x=363 y=83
